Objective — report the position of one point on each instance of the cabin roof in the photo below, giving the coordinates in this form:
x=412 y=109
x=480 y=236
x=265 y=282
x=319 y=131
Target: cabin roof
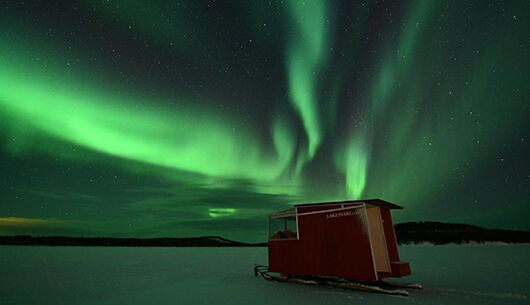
x=290 y=212
x=376 y=202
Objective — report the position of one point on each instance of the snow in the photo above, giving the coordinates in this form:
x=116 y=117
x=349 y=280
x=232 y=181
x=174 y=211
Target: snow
x=450 y=274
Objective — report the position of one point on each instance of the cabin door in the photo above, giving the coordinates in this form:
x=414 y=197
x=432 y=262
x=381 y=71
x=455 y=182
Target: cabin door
x=377 y=239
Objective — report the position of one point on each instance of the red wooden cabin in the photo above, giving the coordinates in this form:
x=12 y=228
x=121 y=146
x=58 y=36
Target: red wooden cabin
x=347 y=239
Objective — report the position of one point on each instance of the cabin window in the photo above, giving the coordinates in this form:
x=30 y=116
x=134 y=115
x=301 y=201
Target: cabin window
x=283 y=227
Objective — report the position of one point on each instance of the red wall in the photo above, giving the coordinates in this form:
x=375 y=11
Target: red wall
x=327 y=246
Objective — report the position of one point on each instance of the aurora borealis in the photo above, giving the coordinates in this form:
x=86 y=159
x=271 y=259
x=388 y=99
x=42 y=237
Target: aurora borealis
x=162 y=118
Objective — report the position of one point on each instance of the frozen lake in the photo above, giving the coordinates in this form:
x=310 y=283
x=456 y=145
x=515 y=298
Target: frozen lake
x=93 y=275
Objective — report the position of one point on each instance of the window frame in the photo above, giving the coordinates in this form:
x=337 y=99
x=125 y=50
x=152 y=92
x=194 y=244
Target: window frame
x=283 y=214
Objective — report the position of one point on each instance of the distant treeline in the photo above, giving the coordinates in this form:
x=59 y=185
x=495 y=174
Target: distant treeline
x=205 y=241
x=437 y=233
x=444 y=233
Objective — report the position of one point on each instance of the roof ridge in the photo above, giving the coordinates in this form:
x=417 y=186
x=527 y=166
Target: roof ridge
x=374 y=201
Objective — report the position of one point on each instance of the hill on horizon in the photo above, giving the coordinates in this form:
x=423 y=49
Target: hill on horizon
x=437 y=233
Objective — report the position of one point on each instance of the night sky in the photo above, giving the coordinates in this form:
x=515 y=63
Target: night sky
x=165 y=118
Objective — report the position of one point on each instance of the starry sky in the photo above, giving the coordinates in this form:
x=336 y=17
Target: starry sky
x=171 y=118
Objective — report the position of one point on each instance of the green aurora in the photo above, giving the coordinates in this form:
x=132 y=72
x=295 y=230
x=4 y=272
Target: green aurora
x=122 y=118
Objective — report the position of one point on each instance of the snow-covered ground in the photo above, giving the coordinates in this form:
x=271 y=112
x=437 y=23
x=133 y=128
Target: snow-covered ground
x=484 y=274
